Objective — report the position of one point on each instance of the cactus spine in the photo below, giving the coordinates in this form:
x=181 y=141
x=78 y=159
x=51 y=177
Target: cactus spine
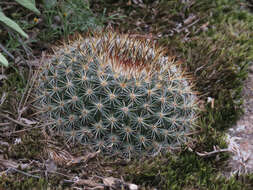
x=117 y=93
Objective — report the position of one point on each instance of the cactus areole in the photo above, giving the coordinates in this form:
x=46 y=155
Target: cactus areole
x=117 y=94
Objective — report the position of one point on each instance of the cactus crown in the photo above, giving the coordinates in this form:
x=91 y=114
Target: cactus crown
x=117 y=93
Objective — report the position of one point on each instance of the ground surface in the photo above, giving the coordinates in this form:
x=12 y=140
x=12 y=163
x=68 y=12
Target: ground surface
x=240 y=136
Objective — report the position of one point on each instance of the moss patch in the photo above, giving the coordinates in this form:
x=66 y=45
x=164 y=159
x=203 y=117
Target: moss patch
x=21 y=182
x=31 y=146
x=185 y=171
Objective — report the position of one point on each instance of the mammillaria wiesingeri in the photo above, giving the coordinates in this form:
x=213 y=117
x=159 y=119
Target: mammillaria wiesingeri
x=117 y=93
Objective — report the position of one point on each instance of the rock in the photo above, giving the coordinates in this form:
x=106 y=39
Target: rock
x=251 y=68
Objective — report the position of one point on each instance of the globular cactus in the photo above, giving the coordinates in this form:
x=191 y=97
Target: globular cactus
x=117 y=93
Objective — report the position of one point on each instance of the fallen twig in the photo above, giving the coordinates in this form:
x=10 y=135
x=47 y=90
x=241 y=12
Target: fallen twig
x=216 y=151
x=31 y=127
x=83 y=159
x=4 y=124
x=186 y=27
x=6 y=51
x=27 y=174
x=14 y=121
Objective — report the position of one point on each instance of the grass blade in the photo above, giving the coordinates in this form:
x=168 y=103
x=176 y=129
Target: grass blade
x=3 y=60
x=10 y=23
x=29 y=4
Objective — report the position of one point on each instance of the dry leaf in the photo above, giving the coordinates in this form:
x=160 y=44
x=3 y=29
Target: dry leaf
x=87 y=182
x=204 y=26
x=109 y=181
x=84 y=159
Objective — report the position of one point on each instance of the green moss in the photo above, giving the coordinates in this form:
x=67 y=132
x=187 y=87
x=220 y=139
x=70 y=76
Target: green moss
x=218 y=60
x=22 y=182
x=15 y=80
x=31 y=146
x=12 y=87
x=186 y=171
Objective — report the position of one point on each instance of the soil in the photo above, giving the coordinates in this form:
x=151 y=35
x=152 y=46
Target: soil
x=240 y=136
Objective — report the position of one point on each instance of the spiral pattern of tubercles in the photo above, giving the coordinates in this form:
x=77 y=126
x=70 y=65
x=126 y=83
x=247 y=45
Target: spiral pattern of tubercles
x=118 y=94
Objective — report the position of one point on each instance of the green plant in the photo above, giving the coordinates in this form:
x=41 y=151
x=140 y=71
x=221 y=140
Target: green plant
x=117 y=93
x=29 y=4
x=62 y=18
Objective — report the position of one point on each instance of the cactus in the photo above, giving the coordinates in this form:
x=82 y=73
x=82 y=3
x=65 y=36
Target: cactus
x=117 y=94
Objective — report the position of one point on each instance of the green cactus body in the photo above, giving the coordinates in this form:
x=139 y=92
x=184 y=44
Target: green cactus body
x=117 y=93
